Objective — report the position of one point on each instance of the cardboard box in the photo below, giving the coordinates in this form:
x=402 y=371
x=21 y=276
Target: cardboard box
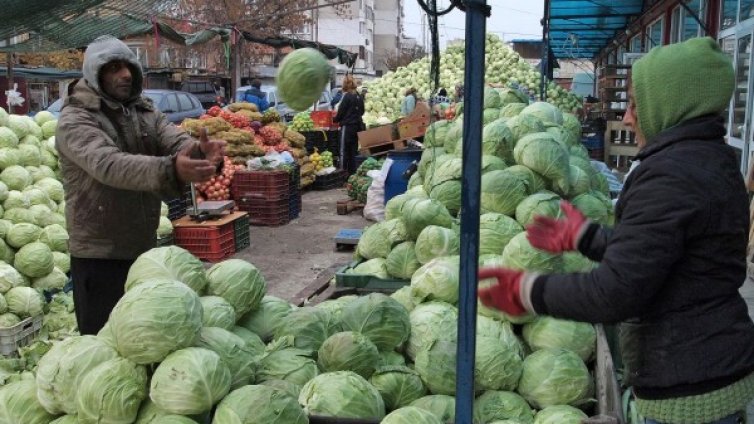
x=412 y=128
x=377 y=135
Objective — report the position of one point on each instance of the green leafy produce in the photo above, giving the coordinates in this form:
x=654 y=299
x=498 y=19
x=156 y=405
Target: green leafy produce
x=376 y=267
x=435 y=241
x=380 y=318
x=252 y=341
x=267 y=317
x=16 y=177
x=189 y=381
x=560 y=414
x=154 y=319
x=25 y=302
x=547 y=332
x=22 y=234
x=238 y=282
x=495 y=231
x=34 y=260
x=19 y=404
x=9 y=320
x=542 y=153
x=435 y=134
x=501 y=405
x=295 y=366
x=301 y=77
x=348 y=351
x=511 y=109
x=543 y=203
x=342 y=394
x=9 y=278
x=519 y=254
x=171 y=262
x=111 y=392
x=398 y=386
x=437 y=280
x=429 y=322
x=498 y=365
x=233 y=350
x=411 y=415
x=418 y=214
x=502 y=191
x=401 y=262
x=404 y=297
x=592 y=207
x=375 y=242
x=54 y=280
x=56 y=237
x=52 y=187
x=217 y=312
x=61 y=260
x=546 y=112
x=285 y=386
x=307 y=326
x=522 y=125
x=259 y=405
x=500 y=330
x=391 y=358
x=436 y=364
x=554 y=377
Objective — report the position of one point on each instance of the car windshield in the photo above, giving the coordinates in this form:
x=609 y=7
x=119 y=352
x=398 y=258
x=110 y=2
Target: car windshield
x=155 y=97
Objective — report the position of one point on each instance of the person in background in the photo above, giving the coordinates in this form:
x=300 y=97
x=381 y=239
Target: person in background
x=257 y=96
x=336 y=98
x=119 y=155
x=349 y=116
x=671 y=268
x=440 y=103
x=409 y=102
x=458 y=97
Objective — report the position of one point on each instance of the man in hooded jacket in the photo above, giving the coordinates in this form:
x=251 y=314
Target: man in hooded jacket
x=119 y=157
x=670 y=269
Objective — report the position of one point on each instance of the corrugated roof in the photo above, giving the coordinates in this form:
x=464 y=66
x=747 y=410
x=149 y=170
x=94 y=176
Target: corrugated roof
x=581 y=28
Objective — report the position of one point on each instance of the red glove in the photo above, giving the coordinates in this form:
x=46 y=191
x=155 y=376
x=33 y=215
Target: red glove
x=505 y=295
x=557 y=235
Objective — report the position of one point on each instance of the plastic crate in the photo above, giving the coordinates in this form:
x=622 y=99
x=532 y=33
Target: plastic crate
x=322 y=118
x=265 y=212
x=177 y=207
x=330 y=181
x=270 y=184
x=241 y=233
x=294 y=206
x=344 y=279
x=211 y=244
x=19 y=335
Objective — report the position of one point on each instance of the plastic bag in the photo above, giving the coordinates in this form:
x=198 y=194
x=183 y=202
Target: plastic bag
x=374 y=210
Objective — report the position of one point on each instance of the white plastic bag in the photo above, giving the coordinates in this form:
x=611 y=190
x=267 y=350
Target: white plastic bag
x=14 y=96
x=374 y=210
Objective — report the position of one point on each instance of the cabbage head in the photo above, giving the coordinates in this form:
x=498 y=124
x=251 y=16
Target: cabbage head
x=233 y=351
x=189 y=381
x=500 y=330
x=435 y=241
x=584 y=163
x=592 y=207
x=540 y=152
x=418 y=214
x=543 y=203
x=576 y=262
x=435 y=134
x=239 y=282
x=171 y=262
x=54 y=280
x=511 y=109
x=307 y=326
x=37 y=196
x=560 y=414
x=16 y=177
x=52 y=187
x=489 y=115
x=7 y=137
x=491 y=98
x=10 y=278
x=9 y=320
x=416 y=180
x=155 y=318
x=111 y=392
x=25 y=302
x=64 y=366
x=502 y=191
x=22 y=234
x=495 y=231
x=284 y=386
x=449 y=194
x=66 y=419
x=519 y=254
x=554 y=377
x=437 y=280
x=523 y=124
x=497 y=140
x=492 y=163
x=62 y=261
x=441 y=406
x=398 y=385
x=342 y=394
x=19 y=404
x=9 y=156
x=34 y=260
x=164 y=228
x=430 y=158
x=380 y=318
x=18 y=215
x=401 y=262
x=404 y=297
x=498 y=365
x=252 y=341
x=394 y=206
x=436 y=364
x=3 y=305
x=301 y=77
x=267 y=317
x=16 y=199
x=375 y=242
x=217 y=312
x=391 y=358
x=54 y=236
x=348 y=351
x=548 y=113
x=581 y=181
x=292 y=365
x=547 y=332
x=501 y=405
x=259 y=404
x=411 y=415
x=429 y=322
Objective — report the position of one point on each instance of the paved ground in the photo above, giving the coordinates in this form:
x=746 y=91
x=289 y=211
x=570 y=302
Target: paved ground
x=291 y=256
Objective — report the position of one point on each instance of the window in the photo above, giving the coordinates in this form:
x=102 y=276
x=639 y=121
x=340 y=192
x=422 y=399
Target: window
x=185 y=102
x=195 y=102
x=675 y=24
x=621 y=53
x=361 y=28
x=728 y=13
x=689 y=26
x=171 y=103
x=654 y=34
x=746 y=10
x=635 y=44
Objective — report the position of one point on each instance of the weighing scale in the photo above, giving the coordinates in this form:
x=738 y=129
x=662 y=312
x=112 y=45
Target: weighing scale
x=209 y=209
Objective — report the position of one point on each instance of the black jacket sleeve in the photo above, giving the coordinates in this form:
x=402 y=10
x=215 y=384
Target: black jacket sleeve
x=594 y=241
x=642 y=252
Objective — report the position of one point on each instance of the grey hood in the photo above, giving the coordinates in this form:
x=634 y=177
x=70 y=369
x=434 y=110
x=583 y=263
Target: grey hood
x=107 y=49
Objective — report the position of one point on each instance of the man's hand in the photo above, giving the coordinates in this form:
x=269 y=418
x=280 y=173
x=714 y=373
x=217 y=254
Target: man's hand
x=192 y=170
x=213 y=150
x=505 y=295
x=557 y=235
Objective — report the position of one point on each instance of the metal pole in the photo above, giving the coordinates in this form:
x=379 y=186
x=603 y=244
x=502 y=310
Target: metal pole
x=545 y=52
x=476 y=21
x=9 y=69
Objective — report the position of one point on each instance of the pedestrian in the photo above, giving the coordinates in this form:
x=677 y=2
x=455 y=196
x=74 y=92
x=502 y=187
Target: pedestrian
x=670 y=269
x=349 y=116
x=409 y=102
x=440 y=104
x=256 y=96
x=459 y=93
x=336 y=98
x=119 y=156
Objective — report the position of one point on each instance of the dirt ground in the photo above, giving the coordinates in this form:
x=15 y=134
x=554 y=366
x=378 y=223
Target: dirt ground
x=291 y=256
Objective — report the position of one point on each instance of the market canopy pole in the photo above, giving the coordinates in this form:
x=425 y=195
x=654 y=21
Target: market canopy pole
x=544 y=66
x=476 y=21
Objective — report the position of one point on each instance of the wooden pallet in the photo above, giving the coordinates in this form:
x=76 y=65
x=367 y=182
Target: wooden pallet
x=384 y=148
x=345 y=207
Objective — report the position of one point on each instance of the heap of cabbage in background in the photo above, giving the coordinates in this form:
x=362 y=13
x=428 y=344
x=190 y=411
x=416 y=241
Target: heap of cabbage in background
x=503 y=66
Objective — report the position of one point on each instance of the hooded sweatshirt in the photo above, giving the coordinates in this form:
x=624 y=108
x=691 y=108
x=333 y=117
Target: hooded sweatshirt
x=117 y=161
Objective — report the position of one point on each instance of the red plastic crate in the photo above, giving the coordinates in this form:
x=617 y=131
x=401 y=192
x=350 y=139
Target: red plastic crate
x=265 y=212
x=270 y=184
x=322 y=118
x=211 y=244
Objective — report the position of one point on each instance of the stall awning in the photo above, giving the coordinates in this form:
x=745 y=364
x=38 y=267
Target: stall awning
x=579 y=29
x=41 y=73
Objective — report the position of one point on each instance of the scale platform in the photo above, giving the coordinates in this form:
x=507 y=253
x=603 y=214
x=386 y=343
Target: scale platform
x=210 y=209
x=347 y=238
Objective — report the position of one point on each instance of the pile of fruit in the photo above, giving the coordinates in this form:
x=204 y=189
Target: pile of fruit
x=358 y=183
x=321 y=161
x=218 y=188
x=302 y=122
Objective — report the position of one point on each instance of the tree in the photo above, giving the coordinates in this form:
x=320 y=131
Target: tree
x=403 y=57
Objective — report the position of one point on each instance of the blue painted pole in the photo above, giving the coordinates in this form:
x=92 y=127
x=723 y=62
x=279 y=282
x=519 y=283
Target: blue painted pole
x=476 y=21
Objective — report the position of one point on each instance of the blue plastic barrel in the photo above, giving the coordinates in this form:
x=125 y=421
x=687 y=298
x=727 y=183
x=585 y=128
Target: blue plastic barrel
x=395 y=184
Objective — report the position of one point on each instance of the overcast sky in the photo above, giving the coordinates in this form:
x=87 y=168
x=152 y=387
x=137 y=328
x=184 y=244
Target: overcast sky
x=510 y=19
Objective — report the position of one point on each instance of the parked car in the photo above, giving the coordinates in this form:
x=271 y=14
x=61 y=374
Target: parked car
x=286 y=113
x=204 y=91
x=177 y=105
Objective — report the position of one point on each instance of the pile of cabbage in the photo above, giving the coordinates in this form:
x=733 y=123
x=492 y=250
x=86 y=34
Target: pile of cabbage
x=33 y=238
x=503 y=66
